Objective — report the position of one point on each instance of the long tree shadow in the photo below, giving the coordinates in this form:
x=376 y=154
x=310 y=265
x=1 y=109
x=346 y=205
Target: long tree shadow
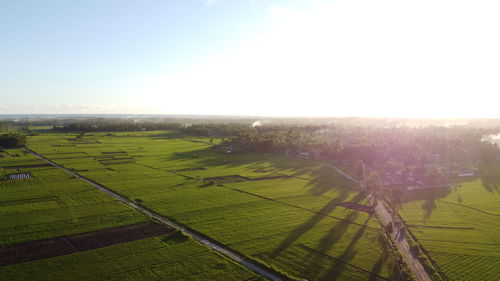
x=489 y=176
x=379 y=264
x=332 y=237
x=309 y=224
x=338 y=229
x=320 y=179
x=491 y=184
x=430 y=198
x=428 y=207
x=425 y=194
x=341 y=263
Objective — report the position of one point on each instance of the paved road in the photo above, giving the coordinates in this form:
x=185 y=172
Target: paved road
x=402 y=243
x=385 y=217
x=251 y=265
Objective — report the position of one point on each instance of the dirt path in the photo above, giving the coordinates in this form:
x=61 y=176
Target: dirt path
x=342 y=173
x=400 y=240
x=211 y=243
x=402 y=243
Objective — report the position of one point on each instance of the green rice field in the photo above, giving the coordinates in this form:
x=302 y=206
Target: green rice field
x=55 y=204
x=173 y=257
x=281 y=211
x=460 y=231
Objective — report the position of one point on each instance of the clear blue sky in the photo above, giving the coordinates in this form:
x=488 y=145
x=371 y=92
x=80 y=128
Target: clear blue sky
x=244 y=56
x=81 y=51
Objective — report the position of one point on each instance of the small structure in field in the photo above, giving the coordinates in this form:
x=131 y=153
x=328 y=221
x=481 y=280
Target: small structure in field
x=20 y=176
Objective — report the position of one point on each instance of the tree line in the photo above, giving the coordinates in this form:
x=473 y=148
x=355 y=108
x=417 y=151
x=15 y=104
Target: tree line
x=396 y=148
x=12 y=140
x=115 y=126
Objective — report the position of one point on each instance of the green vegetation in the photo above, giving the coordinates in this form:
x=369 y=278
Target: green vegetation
x=12 y=140
x=173 y=257
x=56 y=204
x=278 y=210
x=281 y=211
x=243 y=186
x=460 y=232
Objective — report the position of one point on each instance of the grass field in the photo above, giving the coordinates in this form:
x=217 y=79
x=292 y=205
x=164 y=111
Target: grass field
x=173 y=257
x=281 y=211
x=461 y=231
x=54 y=204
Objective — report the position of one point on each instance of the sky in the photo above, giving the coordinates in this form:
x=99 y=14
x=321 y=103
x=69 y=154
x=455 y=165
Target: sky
x=367 y=58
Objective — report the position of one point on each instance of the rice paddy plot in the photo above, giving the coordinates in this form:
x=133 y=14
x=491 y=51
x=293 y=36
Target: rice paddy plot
x=280 y=208
x=168 y=257
x=58 y=227
x=460 y=231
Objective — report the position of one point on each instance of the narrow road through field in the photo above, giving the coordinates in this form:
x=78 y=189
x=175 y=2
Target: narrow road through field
x=249 y=264
x=342 y=173
x=400 y=240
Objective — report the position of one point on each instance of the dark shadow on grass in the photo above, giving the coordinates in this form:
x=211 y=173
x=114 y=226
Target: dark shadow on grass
x=339 y=267
x=379 y=264
x=175 y=238
x=207 y=184
x=332 y=237
x=428 y=207
x=431 y=195
x=489 y=176
x=338 y=229
x=491 y=184
x=309 y=224
x=320 y=179
x=425 y=194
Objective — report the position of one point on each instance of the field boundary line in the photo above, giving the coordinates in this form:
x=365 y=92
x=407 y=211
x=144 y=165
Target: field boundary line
x=303 y=208
x=469 y=207
x=342 y=261
x=384 y=217
x=441 y=227
x=244 y=261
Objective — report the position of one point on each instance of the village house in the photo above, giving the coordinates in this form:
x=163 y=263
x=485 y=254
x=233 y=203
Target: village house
x=467 y=173
x=311 y=153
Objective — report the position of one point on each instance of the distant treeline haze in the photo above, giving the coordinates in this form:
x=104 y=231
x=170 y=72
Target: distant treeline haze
x=375 y=146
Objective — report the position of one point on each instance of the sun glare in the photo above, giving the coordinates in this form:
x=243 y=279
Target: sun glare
x=391 y=58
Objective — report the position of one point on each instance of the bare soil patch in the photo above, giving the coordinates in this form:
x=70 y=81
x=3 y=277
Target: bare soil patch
x=42 y=249
x=114 y=152
x=27 y=166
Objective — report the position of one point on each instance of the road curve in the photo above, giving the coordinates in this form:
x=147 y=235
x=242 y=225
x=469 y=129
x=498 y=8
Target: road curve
x=249 y=264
